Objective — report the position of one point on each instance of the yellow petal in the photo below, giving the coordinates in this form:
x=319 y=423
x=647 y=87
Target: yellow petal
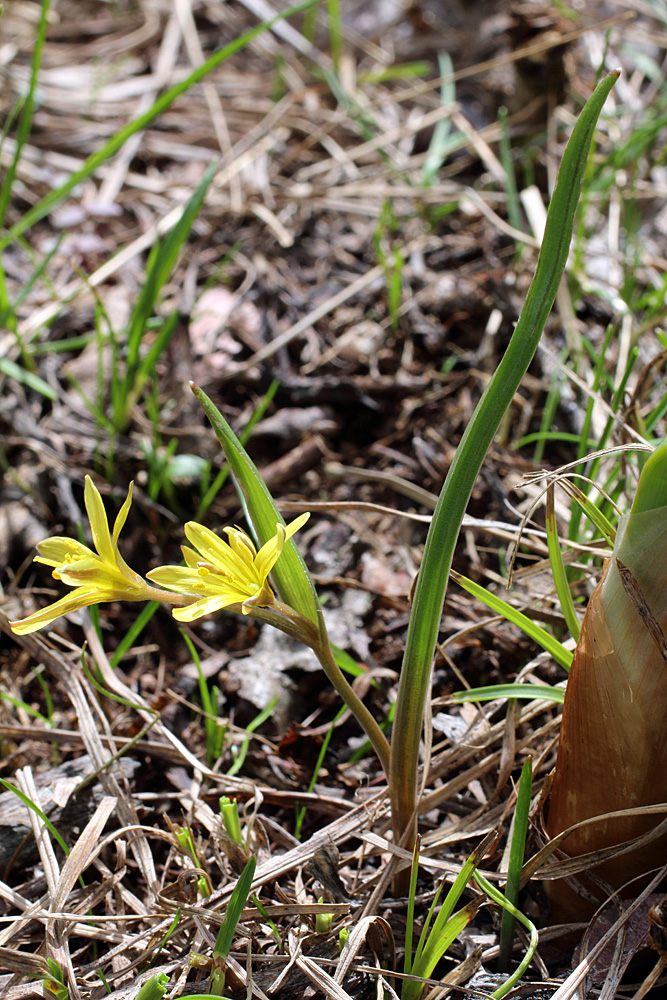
x=93 y=572
x=181 y=579
x=121 y=517
x=207 y=606
x=191 y=557
x=267 y=556
x=241 y=545
x=98 y=521
x=270 y=552
x=215 y=550
x=297 y=524
x=58 y=551
x=81 y=598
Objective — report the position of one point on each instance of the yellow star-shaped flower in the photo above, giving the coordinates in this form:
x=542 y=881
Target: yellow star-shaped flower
x=223 y=573
x=97 y=576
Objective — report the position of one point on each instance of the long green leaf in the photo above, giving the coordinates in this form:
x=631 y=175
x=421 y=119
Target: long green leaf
x=652 y=487
x=433 y=943
x=412 y=892
x=25 y=121
x=445 y=526
x=593 y=513
x=12 y=370
x=517 y=851
x=237 y=901
x=31 y=805
x=447 y=935
x=223 y=942
x=528 y=692
x=498 y=898
x=558 y=569
x=540 y=635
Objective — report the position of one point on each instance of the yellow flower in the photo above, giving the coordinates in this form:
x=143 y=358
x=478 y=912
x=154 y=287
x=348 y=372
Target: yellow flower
x=221 y=573
x=98 y=576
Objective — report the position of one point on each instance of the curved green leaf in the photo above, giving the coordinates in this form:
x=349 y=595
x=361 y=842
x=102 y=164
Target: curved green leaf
x=290 y=573
x=555 y=648
x=446 y=523
x=528 y=692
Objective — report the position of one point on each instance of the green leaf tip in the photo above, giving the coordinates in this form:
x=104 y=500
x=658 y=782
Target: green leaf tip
x=154 y=988
x=652 y=486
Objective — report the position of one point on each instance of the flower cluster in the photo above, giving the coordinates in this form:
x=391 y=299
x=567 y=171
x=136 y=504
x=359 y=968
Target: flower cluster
x=221 y=574
x=217 y=574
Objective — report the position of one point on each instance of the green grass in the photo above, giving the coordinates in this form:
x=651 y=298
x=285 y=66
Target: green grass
x=438 y=932
x=518 y=835
x=136 y=350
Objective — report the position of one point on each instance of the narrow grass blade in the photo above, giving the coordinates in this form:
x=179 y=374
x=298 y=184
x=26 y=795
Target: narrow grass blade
x=133 y=633
x=290 y=573
x=347 y=663
x=598 y=374
x=31 y=805
x=161 y=263
x=439 y=145
x=250 y=728
x=517 y=851
x=301 y=810
x=8 y=310
x=412 y=892
x=558 y=569
x=498 y=898
x=25 y=121
x=453 y=500
x=513 y=210
x=94 y=161
x=214 y=728
x=17 y=703
x=12 y=370
x=556 y=649
x=528 y=692
x=335 y=32
x=593 y=513
x=223 y=942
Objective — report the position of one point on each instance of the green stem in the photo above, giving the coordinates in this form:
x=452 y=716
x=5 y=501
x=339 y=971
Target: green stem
x=164 y=597
x=154 y=988
x=377 y=738
x=285 y=618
